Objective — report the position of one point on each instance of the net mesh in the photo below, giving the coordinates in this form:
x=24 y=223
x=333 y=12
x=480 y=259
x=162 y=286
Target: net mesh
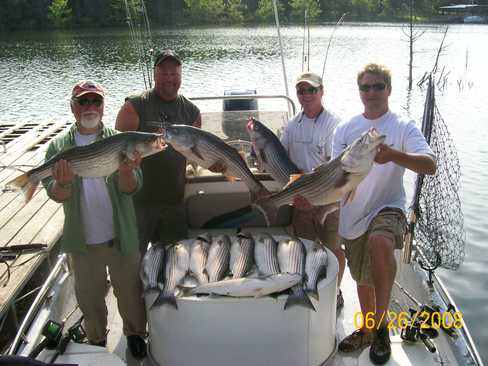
x=439 y=227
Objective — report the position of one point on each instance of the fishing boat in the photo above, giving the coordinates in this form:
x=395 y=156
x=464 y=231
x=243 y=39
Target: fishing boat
x=426 y=326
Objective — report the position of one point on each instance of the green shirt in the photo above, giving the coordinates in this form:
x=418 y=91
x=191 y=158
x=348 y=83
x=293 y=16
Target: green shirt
x=125 y=225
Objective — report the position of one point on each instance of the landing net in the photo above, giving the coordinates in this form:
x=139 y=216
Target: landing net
x=436 y=216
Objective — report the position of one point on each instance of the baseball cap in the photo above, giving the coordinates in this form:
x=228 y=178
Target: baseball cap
x=87 y=86
x=165 y=55
x=311 y=78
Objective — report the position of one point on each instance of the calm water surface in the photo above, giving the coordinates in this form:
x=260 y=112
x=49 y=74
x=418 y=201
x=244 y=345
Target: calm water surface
x=38 y=70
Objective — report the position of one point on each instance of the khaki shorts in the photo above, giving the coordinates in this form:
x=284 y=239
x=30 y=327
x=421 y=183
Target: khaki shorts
x=307 y=225
x=390 y=223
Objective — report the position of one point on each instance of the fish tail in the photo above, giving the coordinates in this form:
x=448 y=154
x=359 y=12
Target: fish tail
x=22 y=182
x=165 y=299
x=269 y=211
x=300 y=298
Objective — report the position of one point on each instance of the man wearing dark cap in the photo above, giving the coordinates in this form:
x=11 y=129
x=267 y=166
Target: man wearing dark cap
x=99 y=229
x=159 y=205
x=308 y=140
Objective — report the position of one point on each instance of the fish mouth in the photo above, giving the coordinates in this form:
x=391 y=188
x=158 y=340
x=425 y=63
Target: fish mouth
x=159 y=143
x=250 y=124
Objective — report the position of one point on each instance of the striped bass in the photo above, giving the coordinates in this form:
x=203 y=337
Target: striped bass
x=152 y=268
x=218 y=258
x=265 y=255
x=291 y=257
x=208 y=150
x=176 y=268
x=199 y=256
x=315 y=267
x=98 y=159
x=271 y=155
x=250 y=287
x=329 y=182
x=241 y=255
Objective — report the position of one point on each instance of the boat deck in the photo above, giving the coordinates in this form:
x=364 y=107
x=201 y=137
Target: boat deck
x=40 y=221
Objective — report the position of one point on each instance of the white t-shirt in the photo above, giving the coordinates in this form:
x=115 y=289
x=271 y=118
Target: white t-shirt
x=95 y=204
x=383 y=186
x=308 y=141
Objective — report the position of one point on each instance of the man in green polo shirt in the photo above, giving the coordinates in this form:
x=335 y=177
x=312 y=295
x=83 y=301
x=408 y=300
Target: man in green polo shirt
x=100 y=226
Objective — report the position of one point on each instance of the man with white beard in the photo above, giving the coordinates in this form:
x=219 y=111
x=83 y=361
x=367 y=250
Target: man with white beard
x=100 y=228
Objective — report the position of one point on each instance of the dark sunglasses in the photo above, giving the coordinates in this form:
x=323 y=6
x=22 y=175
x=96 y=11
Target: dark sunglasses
x=376 y=87
x=310 y=90
x=86 y=102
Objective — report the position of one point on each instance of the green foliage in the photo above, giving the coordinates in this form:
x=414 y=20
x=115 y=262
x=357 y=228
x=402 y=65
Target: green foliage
x=60 y=14
x=214 y=11
x=298 y=8
x=265 y=11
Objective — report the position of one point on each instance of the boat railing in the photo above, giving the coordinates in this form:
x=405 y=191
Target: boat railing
x=59 y=268
x=249 y=96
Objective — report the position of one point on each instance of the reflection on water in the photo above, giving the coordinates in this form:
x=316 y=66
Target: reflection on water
x=37 y=71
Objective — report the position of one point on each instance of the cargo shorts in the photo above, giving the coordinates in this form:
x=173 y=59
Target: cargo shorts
x=390 y=223
x=305 y=224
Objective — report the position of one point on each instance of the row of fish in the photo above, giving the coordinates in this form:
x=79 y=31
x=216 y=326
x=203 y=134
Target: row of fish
x=241 y=266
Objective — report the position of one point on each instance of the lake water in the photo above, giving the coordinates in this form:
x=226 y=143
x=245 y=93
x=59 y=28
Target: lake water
x=37 y=71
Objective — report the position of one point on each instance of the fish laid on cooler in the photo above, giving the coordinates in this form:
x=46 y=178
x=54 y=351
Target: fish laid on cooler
x=315 y=267
x=152 y=267
x=176 y=267
x=329 y=182
x=270 y=153
x=199 y=256
x=218 y=258
x=291 y=258
x=208 y=150
x=265 y=255
x=98 y=159
x=241 y=255
x=250 y=287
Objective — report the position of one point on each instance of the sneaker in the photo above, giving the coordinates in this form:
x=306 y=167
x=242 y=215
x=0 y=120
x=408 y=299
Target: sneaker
x=137 y=346
x=359 y=339
x=380 y=350
x=340 y=300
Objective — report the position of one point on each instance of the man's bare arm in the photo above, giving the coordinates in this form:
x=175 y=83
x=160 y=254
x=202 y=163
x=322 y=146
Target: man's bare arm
x=127 y=118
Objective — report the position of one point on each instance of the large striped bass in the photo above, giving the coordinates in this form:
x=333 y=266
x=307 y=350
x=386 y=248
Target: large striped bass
x=329 y=182
x=218 y=258
x=315 y=267
x=265 y=255
x=176 y=268
x=250 y=287
x=99 y=159
x=152 y=268
x=198 y=257
x=271 y=155
x=291 y=257
x=208 y=150
x=241 y=255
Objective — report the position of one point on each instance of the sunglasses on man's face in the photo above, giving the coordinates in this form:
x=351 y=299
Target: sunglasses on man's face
x=310 y=90
x=376 y=87
x=87 y=102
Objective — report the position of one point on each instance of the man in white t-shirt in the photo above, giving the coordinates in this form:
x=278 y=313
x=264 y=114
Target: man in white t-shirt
x=374 y=223
x=308 y=140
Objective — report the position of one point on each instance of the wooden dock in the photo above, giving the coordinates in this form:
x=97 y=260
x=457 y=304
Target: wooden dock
x=23 y=146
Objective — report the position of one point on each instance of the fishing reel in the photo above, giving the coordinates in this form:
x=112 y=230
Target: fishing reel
x=415 y=331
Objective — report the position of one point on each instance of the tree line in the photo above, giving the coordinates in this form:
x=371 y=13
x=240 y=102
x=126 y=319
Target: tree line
x=66 y=14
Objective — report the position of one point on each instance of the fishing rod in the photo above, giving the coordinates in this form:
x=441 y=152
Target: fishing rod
x=277 y=20
x=141 y=37
x=306 y=43
x=339 y=22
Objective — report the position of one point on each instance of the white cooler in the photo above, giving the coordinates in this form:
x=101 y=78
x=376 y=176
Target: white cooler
x=222 y=331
